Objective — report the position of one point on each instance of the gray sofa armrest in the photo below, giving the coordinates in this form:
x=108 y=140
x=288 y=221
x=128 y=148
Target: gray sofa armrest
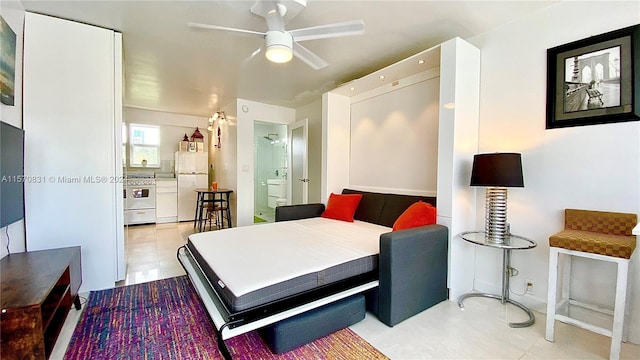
x=297 y=212
x=413 y=272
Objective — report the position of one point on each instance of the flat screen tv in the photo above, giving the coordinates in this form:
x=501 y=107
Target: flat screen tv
x=11 y=174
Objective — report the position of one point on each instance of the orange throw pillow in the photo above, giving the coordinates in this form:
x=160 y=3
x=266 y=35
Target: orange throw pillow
x=342 y=206
x=418 y=214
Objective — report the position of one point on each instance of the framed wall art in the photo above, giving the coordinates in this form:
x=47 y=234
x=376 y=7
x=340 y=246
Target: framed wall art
x=594 y=80
x=7 y=63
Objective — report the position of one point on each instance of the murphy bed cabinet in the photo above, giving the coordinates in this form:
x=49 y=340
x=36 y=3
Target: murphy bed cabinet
x=455 y=65
x=38 y=289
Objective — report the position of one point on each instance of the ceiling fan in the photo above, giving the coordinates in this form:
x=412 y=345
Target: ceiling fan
x=281 y=45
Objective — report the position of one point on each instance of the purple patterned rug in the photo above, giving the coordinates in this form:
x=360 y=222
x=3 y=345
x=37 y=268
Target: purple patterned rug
x=165 y=319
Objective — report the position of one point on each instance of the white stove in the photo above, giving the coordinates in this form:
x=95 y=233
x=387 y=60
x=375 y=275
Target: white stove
x=139 y=198
x=140 y=179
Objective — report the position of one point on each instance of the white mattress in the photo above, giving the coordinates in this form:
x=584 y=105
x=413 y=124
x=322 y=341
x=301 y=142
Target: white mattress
x=250 y=258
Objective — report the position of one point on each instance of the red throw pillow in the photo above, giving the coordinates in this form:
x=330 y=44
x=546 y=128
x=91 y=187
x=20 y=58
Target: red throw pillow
x=342 y=206
x=418 y=214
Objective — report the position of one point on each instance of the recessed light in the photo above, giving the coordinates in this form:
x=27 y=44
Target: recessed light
x=381 y=77
x=352 y=88
x=421 y=62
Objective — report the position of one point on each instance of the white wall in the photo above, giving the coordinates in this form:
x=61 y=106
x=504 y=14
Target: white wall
x=394 y=139
x=336 y=139
x=592 y=167
x=173 y=127
x=153 y=117
x=13 y=14
x=224 y=158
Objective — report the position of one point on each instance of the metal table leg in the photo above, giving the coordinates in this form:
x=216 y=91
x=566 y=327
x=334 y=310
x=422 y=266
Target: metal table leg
x=504 y=297
x=198 y=200
x=229 y=224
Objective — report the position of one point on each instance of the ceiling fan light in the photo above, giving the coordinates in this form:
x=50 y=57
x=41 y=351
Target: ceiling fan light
x=279 y=46
x=279 y=54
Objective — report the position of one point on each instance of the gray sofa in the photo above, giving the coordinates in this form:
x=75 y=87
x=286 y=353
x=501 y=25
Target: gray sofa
x=412 y=263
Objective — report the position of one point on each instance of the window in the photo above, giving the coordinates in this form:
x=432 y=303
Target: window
x=144 y=146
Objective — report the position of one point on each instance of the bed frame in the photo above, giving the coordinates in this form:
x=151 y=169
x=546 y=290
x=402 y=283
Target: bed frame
x=228 y=324
x=411 y=274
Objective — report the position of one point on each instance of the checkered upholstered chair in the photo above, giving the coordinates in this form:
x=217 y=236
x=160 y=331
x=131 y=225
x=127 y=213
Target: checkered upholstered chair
x=598 y=235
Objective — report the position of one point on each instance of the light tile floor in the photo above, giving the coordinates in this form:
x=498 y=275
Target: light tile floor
x=151 y=251
x=481 y=331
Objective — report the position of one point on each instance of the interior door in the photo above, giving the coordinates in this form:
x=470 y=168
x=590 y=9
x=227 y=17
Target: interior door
x=298 y=166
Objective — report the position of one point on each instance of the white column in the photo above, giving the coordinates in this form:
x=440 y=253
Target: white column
x=69 y=120
x=457 y=143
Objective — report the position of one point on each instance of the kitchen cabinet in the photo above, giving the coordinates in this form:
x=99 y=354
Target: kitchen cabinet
x=166 y=201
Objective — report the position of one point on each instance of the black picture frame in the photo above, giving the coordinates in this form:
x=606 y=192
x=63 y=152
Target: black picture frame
x=594 y=80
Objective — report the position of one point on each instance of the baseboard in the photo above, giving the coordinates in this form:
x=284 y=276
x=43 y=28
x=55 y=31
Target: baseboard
x=529 y=300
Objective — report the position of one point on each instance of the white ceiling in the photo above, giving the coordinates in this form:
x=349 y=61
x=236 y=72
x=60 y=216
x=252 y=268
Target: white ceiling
x=171 y=67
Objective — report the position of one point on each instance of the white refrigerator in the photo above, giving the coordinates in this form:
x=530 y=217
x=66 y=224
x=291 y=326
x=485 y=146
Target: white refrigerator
x=191 y=173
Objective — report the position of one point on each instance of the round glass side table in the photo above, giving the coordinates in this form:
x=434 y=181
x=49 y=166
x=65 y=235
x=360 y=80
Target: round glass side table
x=511 y=242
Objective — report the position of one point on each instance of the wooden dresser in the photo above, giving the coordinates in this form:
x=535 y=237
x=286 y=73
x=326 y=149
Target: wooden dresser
x=38 y=288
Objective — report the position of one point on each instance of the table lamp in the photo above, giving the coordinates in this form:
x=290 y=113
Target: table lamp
x=497 y=172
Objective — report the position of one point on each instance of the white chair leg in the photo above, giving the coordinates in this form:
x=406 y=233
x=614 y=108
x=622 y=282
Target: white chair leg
x=618 y=311
x=551 y=297
x=567 y=264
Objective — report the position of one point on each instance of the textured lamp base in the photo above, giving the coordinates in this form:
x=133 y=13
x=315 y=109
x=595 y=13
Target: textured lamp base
x=495 y=220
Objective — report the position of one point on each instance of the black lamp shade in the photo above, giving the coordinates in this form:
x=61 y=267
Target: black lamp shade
x=497 y=169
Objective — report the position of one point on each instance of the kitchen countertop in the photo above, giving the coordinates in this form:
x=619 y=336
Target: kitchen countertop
x=165 y=176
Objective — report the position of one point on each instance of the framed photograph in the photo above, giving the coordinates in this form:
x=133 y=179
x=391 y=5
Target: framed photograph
x=594 y=80
x=192 y=146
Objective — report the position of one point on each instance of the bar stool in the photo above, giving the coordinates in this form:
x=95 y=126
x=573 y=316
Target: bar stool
x=223 y=213
x=210 y=216
x=605 y=236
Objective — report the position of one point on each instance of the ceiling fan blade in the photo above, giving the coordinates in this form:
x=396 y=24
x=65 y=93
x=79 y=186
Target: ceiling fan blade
x=272 y=12
x=224 y=28
x=355 y=27
x=245 y=62
x=308 y=57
